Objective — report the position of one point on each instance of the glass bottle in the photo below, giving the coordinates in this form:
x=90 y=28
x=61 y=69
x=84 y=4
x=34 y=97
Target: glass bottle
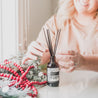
x=52 y=73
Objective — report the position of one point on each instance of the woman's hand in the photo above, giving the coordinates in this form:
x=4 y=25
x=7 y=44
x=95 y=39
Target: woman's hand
x=69 y=60
x=35 y=50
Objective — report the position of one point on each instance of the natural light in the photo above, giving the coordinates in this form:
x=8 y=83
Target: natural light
x=8 y=28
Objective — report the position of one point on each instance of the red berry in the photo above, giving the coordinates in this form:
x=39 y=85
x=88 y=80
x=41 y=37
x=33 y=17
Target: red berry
x=1 y=66
x=4 y=67
x=14 y=78
x=8 y=76
x=9 y=69
x=16 y=74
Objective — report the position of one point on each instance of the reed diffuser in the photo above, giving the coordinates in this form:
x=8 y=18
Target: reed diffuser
x=52 y=67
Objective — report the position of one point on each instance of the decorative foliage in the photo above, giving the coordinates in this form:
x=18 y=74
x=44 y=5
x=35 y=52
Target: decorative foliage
x=21 y=81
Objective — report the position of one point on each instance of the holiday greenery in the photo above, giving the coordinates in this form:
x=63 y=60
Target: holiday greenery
x=21 y=80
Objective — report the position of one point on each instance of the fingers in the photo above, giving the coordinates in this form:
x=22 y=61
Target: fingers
x=67 y=67
x=63 y=67
x=45 y=58
x=65 y=58
x=37 y=46
x=67 y=52
x=68 y=70
x=29 y=57
x=34 y=51
x=25 y=59
x=66 y=64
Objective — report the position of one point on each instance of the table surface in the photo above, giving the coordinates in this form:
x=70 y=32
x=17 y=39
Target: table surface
x=78 y=84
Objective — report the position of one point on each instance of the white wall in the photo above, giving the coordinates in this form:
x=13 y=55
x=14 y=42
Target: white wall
x=40 y=12
x=54 y=5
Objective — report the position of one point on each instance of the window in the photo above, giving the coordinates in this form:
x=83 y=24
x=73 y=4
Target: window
x=8 y=28
x=20 y=23
x=13 y=27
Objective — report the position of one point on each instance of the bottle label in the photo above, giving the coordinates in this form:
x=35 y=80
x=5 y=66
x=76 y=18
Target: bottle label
x=53 y=74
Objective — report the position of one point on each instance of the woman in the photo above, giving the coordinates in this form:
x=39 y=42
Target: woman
x=78 y=43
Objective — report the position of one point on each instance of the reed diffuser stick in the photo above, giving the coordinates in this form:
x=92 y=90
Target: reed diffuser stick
x=56 y=41
x=47 y=41
x=52 y=66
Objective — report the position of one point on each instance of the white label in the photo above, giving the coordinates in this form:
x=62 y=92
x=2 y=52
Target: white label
x=53 y=74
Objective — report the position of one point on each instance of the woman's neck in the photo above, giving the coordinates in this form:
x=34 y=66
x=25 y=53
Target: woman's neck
x=85 y=19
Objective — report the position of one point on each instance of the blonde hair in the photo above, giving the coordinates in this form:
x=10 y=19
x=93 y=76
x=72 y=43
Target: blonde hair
x=66 y=10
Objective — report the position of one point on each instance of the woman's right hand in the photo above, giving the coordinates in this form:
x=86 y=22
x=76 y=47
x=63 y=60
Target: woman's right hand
x=68 y=60
x=34 y=50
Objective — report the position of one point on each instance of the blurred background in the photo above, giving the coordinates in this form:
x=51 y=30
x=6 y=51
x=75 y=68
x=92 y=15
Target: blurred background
x=21 y=22
x=40 y=12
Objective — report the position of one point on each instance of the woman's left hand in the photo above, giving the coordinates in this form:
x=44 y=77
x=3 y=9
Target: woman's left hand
x=69 y=60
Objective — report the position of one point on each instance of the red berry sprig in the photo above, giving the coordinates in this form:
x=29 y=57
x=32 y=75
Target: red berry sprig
x=22 y=80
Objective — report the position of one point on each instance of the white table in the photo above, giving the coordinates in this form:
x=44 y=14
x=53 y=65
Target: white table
x=78 y=84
